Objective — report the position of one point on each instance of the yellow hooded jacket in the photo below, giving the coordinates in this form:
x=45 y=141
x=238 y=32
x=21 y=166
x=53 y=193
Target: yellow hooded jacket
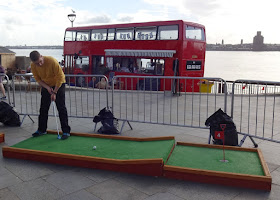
x=50 y=72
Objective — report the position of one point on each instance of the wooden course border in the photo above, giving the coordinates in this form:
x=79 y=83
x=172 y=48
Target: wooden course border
x=2 y=137
x=149 y=167
x=222 y=178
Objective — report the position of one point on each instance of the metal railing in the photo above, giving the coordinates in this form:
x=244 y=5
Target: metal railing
x=83 y=101
x=7 y=84
x=255 y=109
x=175 y=101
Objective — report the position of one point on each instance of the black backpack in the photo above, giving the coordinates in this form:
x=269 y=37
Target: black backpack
x=230 y=133
x=8 y=116
x=109 y=122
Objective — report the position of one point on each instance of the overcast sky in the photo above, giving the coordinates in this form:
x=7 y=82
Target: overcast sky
x=43 y=22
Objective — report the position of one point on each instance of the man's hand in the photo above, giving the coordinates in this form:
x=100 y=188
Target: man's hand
x=50 y=90
x=53 y=97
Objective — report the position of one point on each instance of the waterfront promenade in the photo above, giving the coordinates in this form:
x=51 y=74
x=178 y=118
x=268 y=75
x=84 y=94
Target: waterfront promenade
x=28 y=180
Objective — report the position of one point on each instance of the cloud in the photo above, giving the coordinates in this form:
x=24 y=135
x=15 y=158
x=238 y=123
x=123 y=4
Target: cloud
x=33 y=22
x=187 y=8
x=126 y=19
x=100 y=19
x=36 y=22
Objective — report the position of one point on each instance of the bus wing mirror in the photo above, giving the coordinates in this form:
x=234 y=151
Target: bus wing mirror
x=76 y=56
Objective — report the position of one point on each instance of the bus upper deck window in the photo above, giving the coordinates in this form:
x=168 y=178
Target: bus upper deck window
x=194 y=33
x=145 y=33
x=168 y=32
x=70 y=35
x=99 y=34
x=125 y=34
x=111 y=34
x=83 y=36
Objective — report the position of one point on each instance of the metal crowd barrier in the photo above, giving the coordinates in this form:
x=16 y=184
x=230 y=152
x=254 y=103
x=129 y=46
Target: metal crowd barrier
x=255 y=109
x=82 y=101
x=7 y=84
x=174 y=101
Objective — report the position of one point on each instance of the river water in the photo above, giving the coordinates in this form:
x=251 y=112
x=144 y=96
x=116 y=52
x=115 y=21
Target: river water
x=229 y=65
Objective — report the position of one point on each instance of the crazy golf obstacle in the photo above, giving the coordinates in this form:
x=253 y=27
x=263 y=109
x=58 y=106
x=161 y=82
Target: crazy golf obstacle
x=153 y=156
x=2 y=137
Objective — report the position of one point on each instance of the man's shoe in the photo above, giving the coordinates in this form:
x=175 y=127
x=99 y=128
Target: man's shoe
x=38 y=133
x=3 y=98
x=65 y=136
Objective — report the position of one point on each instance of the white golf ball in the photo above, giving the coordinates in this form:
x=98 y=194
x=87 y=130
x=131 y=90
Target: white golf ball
x=94 y=147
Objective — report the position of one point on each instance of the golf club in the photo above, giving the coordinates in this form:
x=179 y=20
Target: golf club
x=54 y=109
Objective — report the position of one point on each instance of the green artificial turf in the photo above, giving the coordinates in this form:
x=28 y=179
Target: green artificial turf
x=105 y=148
x=241 y=162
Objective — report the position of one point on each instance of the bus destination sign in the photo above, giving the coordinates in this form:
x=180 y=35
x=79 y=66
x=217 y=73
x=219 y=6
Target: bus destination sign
x=193 y=65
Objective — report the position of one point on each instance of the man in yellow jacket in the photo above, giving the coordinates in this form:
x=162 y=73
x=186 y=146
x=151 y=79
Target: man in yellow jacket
x=49 y=75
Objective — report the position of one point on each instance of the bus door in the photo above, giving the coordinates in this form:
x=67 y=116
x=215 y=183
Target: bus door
x=176 y=82
x=69 y=64
x=98 y=66
x=169 y=70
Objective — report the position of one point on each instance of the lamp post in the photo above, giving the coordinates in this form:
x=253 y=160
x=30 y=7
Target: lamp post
x=72 y=17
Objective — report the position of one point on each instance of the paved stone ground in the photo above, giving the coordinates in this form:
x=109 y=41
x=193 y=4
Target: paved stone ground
x=28 y=180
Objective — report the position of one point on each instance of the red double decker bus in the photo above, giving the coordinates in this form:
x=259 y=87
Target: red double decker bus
x=162 y=48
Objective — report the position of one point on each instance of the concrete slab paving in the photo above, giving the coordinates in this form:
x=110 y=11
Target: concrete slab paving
x=6 y=194
x=163 y=196
x=36 y=189
x=146 y=184
x=69 y=181
x=98 y=175
x=191 y=190
x=82 y=195
x=115 y=190
x=22 y=169
x=8 y=178
x=259 y=195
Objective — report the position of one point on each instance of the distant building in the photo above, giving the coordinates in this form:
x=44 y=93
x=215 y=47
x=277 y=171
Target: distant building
x=222 y=42
x=258 y=44
x=241 y=41
x=7 y=58
x=22 y=63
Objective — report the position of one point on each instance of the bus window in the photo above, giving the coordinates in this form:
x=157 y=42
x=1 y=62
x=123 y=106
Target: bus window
x=194 y=33
x=109 y=62
x=82 y=36
x=82 y=63
x=159 y=68
x=125 y=34
x=98 y=34
x=168 y=32
x=145 y=33
x=152 y=66
x=111 y=34
x=70 y=36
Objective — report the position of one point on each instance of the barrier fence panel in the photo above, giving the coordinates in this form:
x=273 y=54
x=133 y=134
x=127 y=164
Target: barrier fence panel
x=6 y=84
x=177 y=101
x=255 y=109
x=83 y=101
